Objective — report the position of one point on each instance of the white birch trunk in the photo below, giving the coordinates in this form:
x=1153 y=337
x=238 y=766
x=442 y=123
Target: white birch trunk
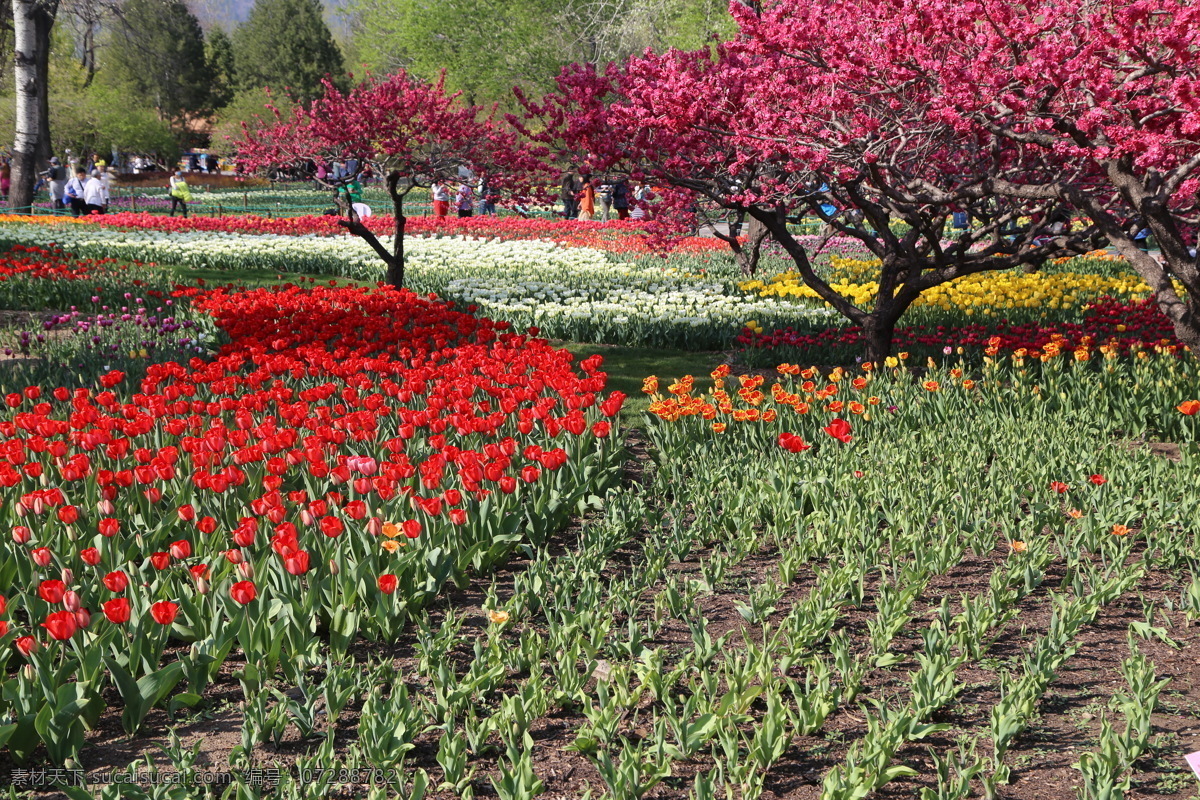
x=25 y=54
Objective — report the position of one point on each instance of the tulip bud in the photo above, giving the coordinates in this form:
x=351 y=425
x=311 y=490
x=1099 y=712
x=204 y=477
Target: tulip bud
x=22 y=510
x=247 y=570
x=20 y=534
x=83 y=618
x=234 y=556
x=306 y=517
x=106 y=508
x=375 y=526
x=333 y=567
x=39 y=505
x=201 y=586
x=68 y=577
x=30 y=670
x=71 y=601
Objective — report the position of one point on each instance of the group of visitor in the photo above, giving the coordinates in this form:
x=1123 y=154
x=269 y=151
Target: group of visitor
x=586 y=198
x=472 y=195
x=85 y=191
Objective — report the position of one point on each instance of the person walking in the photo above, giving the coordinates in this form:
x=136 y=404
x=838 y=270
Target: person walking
x=567 y=194
x=95 y=195
x=439 y=192
x=604 y=199
x=465 y=201
x=56 y=177
x=487 y=198
x=74 y=192
x=587 y=200
x=181 y=194
x=620 y=199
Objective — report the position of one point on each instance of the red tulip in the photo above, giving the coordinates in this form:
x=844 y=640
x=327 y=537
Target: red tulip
x=388 y=583
x=26 y=645
x=52 y=591
x=297 y=563
x=243 y=592
x=21 y=534
x=109 y=527
x=792 y=443
x=164 y=612
x=61 y=625
x=160 y=561
x=458 y=516
x=1059 y=487
x=332 y=527
x=68 y=515
x=839 y=429
x=186 y=513
x=181 y=549
x=116 y=610
x=90 y=556
x=1098 y=480
x=116 y=581
x=41 y=556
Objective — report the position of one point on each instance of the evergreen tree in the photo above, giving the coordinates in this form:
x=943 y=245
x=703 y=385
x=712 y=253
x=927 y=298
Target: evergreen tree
x=159 y=54
x=219 y=53
x=286 y=44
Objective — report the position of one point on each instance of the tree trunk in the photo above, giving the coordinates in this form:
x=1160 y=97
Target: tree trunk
x=44 y=27
x=28 y=104
x=749 y=253
x=395 y=273
x=879 y=331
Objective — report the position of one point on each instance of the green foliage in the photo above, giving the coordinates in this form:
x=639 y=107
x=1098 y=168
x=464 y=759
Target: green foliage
x=247 y=107
x=159 y=55
x=286 y=45
x=487 y=47
x=218 y=51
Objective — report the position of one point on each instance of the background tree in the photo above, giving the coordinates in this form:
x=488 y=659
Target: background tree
x=285 y=44
x=411 y=131
x=159 y=54
x=218 y=52
x=486 y=47
x=796 y=116
x=247 y=112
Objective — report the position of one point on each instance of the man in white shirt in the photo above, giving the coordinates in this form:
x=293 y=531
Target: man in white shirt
x=95 y=194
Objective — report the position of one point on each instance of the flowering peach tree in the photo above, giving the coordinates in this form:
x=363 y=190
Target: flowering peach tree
x=1110 y=91
x=413 y=132
x=810 y=109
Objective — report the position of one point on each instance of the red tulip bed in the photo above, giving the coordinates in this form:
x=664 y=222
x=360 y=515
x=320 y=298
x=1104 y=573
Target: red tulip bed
x=1124 y=325
x=345 y=455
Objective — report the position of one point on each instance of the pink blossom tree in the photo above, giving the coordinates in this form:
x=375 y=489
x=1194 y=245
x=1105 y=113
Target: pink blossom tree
x=410 y=131
x=1110 y=90
x=812 y=111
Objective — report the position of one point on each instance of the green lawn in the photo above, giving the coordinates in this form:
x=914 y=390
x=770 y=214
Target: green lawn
x=627 y=366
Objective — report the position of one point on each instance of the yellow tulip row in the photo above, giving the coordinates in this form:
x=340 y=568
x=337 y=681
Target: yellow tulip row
x=987 y=291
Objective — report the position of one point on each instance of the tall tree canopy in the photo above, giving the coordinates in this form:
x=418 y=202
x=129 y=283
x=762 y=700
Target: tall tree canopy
x=486 y=47
x=286 y=44
x=159 y=54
